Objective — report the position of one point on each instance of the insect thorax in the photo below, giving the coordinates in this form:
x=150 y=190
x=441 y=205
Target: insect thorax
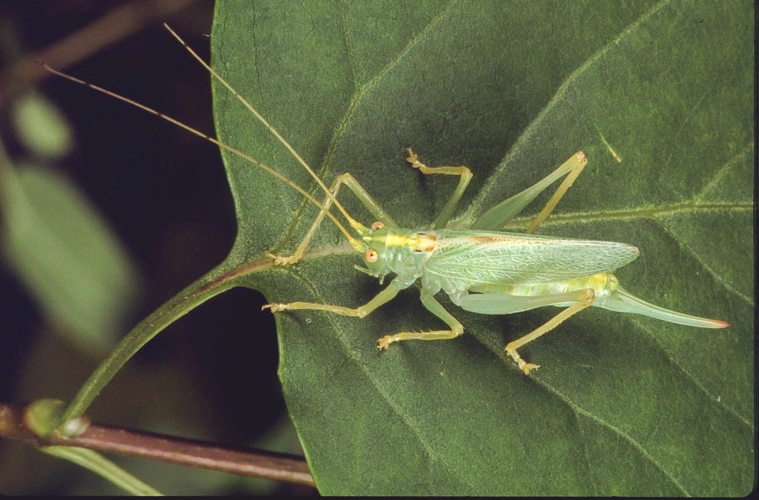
x=404 y=251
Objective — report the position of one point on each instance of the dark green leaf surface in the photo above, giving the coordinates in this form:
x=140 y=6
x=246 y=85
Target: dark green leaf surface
x=623 y=405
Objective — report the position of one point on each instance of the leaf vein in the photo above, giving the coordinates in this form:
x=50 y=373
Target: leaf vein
x=633 y=442
x=558 y=96
x=399 y=410
x=722 y=172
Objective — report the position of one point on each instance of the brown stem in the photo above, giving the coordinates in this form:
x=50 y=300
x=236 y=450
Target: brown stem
x=117 y=24
x=127 y=442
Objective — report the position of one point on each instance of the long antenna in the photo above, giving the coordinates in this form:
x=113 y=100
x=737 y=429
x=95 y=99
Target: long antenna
x=356 y=244
x=353 y=223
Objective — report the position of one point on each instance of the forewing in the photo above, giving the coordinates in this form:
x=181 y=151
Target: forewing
x=510 y=258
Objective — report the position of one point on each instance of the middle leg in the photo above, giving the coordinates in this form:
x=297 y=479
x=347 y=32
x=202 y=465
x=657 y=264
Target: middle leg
x=438 y=310
x=465 y=175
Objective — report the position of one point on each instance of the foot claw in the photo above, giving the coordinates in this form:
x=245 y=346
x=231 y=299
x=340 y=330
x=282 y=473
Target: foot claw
x=521 y=363
x=384 y=342
x=282 y=260
x=528 y=367
x=412 y=158
x=274 y=307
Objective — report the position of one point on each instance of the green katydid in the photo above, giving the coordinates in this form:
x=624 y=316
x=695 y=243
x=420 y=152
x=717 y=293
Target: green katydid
x=487 y=271
x=482 y=270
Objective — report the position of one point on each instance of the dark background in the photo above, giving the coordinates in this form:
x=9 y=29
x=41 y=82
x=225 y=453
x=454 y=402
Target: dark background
x=164 y=193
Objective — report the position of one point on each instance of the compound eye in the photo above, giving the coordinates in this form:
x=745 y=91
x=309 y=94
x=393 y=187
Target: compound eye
x=370 y=256
x=377 y=225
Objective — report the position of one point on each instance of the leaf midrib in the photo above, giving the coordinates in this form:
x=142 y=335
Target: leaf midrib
x=643 y=212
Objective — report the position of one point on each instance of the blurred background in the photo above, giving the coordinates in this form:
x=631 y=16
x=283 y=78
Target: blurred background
x=106 y=212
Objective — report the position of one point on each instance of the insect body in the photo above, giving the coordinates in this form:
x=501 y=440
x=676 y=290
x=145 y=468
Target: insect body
x=492 y=272
x=482 y=270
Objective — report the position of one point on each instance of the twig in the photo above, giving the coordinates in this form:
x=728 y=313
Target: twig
x=170 y=449
x=112 y=27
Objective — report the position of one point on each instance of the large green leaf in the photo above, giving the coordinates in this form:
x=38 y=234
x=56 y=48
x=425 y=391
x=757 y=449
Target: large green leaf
x=623 y=405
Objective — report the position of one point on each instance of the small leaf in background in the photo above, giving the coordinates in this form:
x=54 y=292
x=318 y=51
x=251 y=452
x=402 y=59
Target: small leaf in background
x=40 y=126
x=65 y=254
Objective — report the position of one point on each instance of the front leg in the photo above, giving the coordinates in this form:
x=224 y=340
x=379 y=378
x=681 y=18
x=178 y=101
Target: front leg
x=363 y=196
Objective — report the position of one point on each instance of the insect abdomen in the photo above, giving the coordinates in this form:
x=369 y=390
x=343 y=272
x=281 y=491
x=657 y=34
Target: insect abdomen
x=602 y=284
